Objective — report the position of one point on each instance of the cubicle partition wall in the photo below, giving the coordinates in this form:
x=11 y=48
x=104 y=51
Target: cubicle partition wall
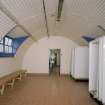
x=97 y=69
x=80 y=63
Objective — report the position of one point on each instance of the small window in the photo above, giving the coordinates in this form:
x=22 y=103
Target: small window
x=6 y=47
x=6 y=41
x=9 y=46
x=1 y=47
x=1 y=41
x=10 y=50
x=10 y=42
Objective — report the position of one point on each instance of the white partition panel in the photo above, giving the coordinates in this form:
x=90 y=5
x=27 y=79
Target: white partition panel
x=101 y=64
x=97 y=69
x=80 y=62
x=94 y=67
x=73 y=61
x=102 y=89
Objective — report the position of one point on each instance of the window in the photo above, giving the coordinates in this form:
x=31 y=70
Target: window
x=1 y=41
x=1 y=48
x=6 y=46
x=1 y=45
x=9 y=46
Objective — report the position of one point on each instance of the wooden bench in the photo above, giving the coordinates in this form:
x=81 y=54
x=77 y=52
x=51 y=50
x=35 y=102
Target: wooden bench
x=10 y=79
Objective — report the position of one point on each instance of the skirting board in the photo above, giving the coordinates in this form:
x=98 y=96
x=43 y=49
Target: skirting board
x=64 y=74
x=96 y=100
x=37 y=74
x=79 y=79
x=43 y=74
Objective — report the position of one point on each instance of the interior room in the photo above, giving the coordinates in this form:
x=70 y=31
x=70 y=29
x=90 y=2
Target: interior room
x=54 y=62
x=52 y=52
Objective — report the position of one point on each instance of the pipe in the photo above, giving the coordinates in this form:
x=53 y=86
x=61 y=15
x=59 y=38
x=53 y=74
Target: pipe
x=45 y=15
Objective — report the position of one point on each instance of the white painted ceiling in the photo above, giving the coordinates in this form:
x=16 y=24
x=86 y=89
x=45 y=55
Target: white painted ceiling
x=79 y=17
x=5 y=24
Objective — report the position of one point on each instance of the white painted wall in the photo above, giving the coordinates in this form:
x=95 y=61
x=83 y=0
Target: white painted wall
x=36 y=59
x=80 y=62
x=8 y=65
x=22 y=50
x=12 y=64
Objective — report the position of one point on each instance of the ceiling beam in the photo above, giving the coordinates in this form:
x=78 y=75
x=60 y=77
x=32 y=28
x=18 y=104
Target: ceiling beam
x=11 y=29
x=46 y=20
x=103 y=29
x=13 y=18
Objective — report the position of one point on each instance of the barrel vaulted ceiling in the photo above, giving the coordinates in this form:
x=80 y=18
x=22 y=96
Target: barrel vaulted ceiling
x=78 y=18
x=17 y=32
x=6 y=24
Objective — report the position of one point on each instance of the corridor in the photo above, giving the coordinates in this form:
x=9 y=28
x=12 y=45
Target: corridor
x=47 y=90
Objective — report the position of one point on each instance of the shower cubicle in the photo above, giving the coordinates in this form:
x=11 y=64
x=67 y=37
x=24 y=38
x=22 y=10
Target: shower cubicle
x=97 y=69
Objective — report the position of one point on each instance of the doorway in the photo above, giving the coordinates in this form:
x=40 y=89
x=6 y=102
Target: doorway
x=54 y=62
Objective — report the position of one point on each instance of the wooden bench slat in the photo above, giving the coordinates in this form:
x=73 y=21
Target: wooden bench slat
x=10 y=77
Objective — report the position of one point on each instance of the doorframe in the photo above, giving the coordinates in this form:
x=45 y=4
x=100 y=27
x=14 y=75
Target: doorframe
x=60 y=59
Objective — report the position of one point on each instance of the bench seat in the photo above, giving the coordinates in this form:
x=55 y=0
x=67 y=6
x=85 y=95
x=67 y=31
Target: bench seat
x=10 y=79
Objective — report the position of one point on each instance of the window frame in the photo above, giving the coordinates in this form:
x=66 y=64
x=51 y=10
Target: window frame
x=7 y=53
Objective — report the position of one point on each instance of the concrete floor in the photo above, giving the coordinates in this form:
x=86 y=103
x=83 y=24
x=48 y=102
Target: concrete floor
x=52 y=90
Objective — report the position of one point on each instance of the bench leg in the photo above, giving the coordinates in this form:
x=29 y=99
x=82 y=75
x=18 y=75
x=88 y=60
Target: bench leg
x=12 y=83
x=2 y=89
x=20 y=77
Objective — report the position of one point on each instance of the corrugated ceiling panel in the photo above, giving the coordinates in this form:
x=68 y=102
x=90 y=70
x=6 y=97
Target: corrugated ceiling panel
x=29 y=13
x=5 y=24
x=79 y=17
x=17 y=32
x=23 y=9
